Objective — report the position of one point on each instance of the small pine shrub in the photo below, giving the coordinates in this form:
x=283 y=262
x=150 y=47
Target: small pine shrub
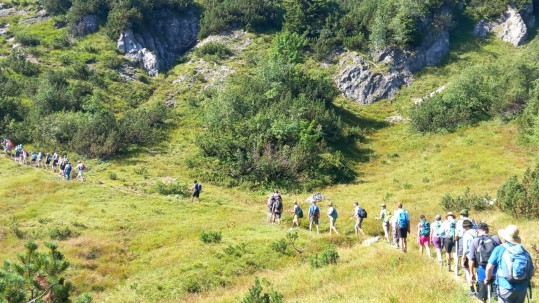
x=193 y=286
x=279 y=246
x=214 y=50
x=326 y=257
x=211 y=237
x=235 y=251
x=27 y=39
x=257 y=295
x=520 y=198
x=62 y=233
x=167 y=189
x=113 y=176
x=465 y=201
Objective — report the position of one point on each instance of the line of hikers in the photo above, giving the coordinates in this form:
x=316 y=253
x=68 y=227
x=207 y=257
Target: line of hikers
x=494 y=267
x=50 y=161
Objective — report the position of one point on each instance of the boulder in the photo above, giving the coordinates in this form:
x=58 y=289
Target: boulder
x=156 y=47
x=483 y=28
x=513 y=29
x=86 y=25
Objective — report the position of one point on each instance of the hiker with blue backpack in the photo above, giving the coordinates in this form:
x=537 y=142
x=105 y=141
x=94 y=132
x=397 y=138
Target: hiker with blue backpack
x=277 y=210
x=314 y=216
x=479 y=252
x=436 y=237
x=423 y=235
x=403 y=226
x=197 y=188
x=332 y=215
x=448 y=235
x=514 y=267
x=359 y=214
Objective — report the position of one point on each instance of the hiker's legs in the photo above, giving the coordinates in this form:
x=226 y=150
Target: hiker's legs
x=385 y=226
x=428 y=249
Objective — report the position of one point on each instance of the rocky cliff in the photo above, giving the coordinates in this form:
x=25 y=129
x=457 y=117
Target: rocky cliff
x=512 y=26
x=156 y=46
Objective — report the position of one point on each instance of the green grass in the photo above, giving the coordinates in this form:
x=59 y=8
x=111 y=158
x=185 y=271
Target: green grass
x=131 y=244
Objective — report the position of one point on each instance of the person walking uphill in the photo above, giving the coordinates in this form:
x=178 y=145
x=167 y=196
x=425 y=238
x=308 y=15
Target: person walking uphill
x=436 y=237
x=403 y=226
x=359 y=215
x=333 y=215
x=314 y=216
x=514 y=267
x=197 y=188
x=448 y=231
x=480 y=251
x=423 y=235
x=467 y=238
x=385 y=215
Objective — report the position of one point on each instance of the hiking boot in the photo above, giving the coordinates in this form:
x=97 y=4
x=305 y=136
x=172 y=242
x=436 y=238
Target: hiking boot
x=473 y=294
x=448 y=267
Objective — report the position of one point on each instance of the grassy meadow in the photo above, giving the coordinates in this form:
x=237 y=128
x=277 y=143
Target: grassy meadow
x=128 y=243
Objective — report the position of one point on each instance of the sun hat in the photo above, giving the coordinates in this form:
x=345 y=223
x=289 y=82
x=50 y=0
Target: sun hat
x=383 y=205
x=510 y=234
x=466 y=223
x=330 y=204
x=437 y=217
x=450 y=214
x=464 y=212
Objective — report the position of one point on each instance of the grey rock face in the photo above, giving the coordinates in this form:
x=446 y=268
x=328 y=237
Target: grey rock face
x=86 y=25
x=157 y=46
x=483 y=28
x=366 y=82
x=514 y=29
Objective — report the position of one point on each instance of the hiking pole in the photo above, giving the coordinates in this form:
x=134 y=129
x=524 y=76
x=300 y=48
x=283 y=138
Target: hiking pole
x=457 y=259
x=489 y=286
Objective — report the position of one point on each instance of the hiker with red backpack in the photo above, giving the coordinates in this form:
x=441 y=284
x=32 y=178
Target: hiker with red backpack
x=423 y=235
x=403 y=226
x=314 y=216
x=359 y=215
x=514 y=267
x=478 y=254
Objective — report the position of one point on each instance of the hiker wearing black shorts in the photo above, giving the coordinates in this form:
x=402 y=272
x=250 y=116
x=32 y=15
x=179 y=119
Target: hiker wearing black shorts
x=448 y=231
x=197 y=188
x=314 y=215
x=403 y=226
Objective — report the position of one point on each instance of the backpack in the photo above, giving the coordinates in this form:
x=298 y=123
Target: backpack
x=437 y=227
x=452 y=228
x=485 y=246
x=334 y=214
x=82 y=167
x=516 y=264
x=403 y=219
x=315 y=211
x=362 y=213
x=425 y=229
x=299 y=212
x=387 y=216
x=279 y=206
x=198 y=187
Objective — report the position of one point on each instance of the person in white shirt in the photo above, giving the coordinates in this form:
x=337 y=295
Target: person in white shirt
x=359 y=219
x=448 y=231
x=332 y=214
x=385 y=215
x=81 y=168
x=467 y=237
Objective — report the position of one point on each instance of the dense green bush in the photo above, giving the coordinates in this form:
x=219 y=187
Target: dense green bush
x=491 y=9
x=275 y=126
x=27 y=39
x=466 y=201
x=520 y=198
x=211 y=236
x=214 y=51
x=327 y=257
x=257 y=295
x=223 y=15
x=56 y=7
x=479 y=93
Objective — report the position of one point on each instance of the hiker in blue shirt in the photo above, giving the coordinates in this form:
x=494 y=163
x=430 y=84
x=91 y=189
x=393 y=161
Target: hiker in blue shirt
x=314 y=215
x=67 y=170
x=197 y=188
x=514 y=267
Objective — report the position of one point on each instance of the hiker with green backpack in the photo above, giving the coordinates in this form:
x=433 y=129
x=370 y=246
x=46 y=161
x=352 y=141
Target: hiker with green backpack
x=333 y=215
x=448 y=235
x=298 y=214
x=423 y=235
x=514 y=267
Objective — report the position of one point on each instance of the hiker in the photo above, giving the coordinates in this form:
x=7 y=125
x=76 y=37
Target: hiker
x=449 y=227
x=8 y=146
x=423 y=235
x=270 y=209
x=514 y=267
x=359 y=215
x=403 y=226
x=464 y=215
x=67 y=170
x=298 y=214
x=54 y=161
x=81 y=167
x=479 y=252
x=277 y=210
x=47 y=160
x=62 y=164
x=39 y=159
x=467 y=238
x=197 y=188
x=314 y=216
x=385 y=215
x=436 y=237
x=24 y=159
x=333 y=215
x=33 y=158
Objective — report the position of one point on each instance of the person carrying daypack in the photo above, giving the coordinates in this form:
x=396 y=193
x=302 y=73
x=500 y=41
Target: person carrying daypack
x=403 y=226
x=277 y=210
x=314 y=216
x=333 y=215
x=385 y=215
x=197 y=188
x=514 y=267
x=478 y=254
x=359 y=212
x=448 y=229
x=423 y=235
x=298 y=214
x=67 y=170
x=436 y=235
x=467 y=238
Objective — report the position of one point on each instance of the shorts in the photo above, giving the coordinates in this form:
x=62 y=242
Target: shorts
x=359 y=221
x=437 y=242
x=332 y=221
x=449 y=243
x=509 y=296
x=81 y=173
x=482 y=290
x=314 y=219
x=461 y=246
x=196 y=194
x=277 y=215
x=402 y=232
x=424 y=240
x=55 y=162
x=48 y=162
